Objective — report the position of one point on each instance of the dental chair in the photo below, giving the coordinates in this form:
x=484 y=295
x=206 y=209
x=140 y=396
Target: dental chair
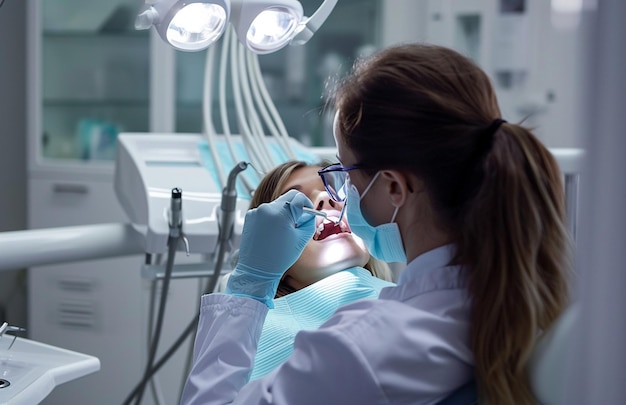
x=547 y=367
x=549 y=362
x=466 y=395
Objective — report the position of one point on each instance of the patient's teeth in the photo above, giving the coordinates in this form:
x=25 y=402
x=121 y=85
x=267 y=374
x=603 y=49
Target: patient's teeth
x=318 y=231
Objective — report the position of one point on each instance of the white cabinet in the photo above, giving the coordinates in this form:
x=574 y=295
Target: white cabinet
x=88 y=79
x=66 y=201
x=93 y=307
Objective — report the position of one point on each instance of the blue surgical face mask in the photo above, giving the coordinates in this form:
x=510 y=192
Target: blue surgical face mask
x=383 y=241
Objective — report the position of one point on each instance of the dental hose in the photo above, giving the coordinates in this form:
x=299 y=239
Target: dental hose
x=183 y=336
x=159 y=323
x=181 y=339
x=172 y=242
x=227 y=208
x=155 y=386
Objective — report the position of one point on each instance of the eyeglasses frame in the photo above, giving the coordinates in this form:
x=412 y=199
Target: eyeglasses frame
x=335 y=167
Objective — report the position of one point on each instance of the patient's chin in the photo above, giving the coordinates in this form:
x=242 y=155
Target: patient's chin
x=316 y=264
x=338 y=266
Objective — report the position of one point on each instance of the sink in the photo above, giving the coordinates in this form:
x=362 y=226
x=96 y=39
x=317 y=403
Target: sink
x=30 y=370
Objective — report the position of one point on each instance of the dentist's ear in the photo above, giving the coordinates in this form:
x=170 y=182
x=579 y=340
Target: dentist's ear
x=400 y=185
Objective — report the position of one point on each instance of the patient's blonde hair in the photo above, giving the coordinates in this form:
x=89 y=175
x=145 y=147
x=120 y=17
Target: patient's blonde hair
x=270 y=189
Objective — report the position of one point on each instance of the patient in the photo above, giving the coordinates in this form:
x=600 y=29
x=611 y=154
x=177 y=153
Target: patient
x=334 y=269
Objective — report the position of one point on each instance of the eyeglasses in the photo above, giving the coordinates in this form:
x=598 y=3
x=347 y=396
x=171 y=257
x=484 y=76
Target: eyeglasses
x=334 y=178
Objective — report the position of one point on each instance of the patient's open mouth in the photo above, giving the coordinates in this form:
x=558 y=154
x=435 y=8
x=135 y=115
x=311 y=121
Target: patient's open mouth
x=327 y=227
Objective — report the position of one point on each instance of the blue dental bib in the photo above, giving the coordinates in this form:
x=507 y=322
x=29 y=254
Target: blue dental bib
x=308 y=309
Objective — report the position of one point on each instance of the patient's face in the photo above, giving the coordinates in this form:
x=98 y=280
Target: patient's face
x=332 y=248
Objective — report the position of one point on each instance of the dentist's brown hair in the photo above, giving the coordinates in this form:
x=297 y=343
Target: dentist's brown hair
x=494 y=188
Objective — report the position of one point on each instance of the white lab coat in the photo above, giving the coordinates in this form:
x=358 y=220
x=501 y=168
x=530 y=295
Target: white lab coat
x=410 y=346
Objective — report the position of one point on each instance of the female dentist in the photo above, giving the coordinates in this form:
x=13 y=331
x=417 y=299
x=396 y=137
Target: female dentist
x=431 y=176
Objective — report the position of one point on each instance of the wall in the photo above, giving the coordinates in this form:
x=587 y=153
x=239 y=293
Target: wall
x=597 y=367
x=13 y=148
x=403 y=21
x=544 y=46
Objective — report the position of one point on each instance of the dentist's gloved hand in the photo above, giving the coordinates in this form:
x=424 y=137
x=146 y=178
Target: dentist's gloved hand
x=273 y=237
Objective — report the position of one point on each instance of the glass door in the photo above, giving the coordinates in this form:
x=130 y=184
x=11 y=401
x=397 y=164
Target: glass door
x=94 y=78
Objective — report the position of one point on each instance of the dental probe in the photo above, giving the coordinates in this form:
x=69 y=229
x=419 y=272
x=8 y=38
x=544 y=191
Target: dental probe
x=319 y=213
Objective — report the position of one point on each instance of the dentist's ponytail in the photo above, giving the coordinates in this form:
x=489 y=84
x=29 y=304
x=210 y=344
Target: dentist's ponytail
x=514 y=241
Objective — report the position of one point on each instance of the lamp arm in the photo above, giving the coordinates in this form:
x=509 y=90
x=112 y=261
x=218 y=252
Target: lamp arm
x=146 y=19
x=322 y=13
x=312 y=24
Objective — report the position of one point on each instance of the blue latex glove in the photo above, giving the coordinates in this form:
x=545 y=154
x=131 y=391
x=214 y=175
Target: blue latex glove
x=273 y=237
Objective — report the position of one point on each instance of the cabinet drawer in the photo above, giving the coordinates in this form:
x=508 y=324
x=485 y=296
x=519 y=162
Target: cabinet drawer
x=54 y=203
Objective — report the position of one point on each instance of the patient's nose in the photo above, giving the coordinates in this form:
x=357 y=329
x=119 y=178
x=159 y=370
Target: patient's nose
x=323 y=201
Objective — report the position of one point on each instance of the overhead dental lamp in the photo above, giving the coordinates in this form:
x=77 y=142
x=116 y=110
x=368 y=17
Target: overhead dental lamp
x=264 y=26
x=188 y=25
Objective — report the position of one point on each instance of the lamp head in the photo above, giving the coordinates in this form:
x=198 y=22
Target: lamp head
x=266 y=26
x=188 y=25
